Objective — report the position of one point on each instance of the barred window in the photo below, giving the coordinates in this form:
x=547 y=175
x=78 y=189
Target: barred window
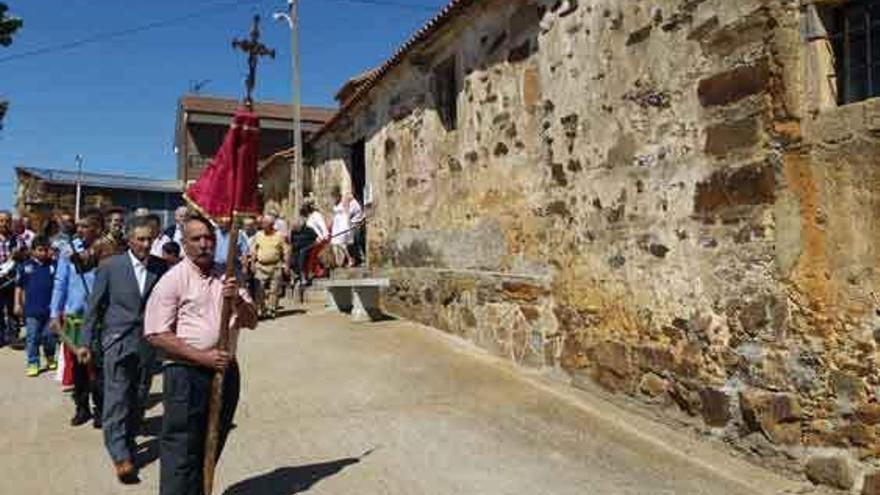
x=855 y=35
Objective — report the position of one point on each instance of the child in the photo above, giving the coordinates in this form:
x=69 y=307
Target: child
x=171 y=253
x=33 y=294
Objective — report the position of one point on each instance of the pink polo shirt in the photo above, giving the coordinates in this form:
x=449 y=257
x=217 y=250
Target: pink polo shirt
x=188 y=303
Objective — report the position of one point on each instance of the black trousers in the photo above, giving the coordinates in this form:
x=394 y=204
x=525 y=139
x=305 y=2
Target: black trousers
x=9 y=326
x=88 y=382
x=358 y=249
x=186 y=394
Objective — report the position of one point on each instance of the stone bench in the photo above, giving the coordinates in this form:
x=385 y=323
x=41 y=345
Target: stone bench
x=360 y=297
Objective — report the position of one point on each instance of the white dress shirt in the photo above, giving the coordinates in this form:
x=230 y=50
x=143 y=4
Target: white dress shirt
x=140 y=271
x=156 y=249
x=178 y=235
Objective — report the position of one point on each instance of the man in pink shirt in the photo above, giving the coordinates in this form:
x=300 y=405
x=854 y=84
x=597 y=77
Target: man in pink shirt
x=183 y=320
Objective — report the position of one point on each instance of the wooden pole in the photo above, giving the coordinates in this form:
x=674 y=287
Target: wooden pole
x=212 y=438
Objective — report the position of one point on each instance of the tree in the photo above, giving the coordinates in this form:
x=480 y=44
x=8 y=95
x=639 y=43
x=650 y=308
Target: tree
x=8 y=27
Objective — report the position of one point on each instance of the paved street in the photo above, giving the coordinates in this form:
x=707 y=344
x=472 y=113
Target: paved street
x=384 y=408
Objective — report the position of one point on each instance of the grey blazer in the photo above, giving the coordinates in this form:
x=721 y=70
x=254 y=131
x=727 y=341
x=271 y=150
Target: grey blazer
x=116 y=301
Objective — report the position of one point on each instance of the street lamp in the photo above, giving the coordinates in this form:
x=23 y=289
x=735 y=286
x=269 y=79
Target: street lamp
x=295 y=186
x=79 y=171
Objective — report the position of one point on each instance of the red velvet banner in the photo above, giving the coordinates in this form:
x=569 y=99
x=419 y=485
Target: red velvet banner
x=228 y=185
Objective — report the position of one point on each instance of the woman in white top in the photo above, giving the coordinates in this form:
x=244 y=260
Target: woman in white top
x=340 y=230
x=316 y=222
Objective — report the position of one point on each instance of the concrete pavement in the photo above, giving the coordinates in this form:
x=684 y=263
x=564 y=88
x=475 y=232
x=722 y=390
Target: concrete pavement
x=331 y=407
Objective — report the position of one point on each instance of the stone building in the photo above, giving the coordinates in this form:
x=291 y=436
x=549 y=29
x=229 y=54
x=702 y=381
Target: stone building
x=42 y=191
x=674 y=199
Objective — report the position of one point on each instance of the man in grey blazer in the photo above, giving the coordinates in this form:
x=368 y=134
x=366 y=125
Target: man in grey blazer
x=116 y=307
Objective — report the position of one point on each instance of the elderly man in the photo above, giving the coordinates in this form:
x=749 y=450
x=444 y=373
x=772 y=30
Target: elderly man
x=175 y=232
x=183 y=321
x=122 y=286
x=66 y=230
x=271 y=255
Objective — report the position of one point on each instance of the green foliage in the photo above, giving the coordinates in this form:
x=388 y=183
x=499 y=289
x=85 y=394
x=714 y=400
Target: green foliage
x=8 y=25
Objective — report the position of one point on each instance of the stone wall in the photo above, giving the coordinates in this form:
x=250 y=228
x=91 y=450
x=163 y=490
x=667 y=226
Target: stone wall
x=641 y=195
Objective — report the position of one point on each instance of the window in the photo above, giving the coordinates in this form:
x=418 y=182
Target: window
x=854 y=30
x=446 y=93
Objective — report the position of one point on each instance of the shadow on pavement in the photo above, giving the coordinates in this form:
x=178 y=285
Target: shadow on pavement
x=290 y=480
x=290 y=311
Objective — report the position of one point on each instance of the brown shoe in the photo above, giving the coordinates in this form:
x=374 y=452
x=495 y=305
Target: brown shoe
x=125 y=472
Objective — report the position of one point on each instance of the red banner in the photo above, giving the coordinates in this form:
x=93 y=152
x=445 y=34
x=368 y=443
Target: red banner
x=228 y=185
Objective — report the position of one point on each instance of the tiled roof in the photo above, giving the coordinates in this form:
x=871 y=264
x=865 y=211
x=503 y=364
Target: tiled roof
x=447 y=14
x=108 y=181
x=227 y=106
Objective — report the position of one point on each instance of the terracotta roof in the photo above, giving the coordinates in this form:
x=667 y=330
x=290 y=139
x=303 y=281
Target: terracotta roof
x=269 y=110
x=353 y=83
x=439 y=21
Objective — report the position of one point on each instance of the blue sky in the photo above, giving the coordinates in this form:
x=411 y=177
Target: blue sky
x=114 y=101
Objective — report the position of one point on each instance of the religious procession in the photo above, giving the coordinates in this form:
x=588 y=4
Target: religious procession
x=440 y=247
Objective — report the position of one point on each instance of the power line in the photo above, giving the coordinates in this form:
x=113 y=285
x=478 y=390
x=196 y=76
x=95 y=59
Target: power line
x=105 y=36
x=211 y=9
x=391 y=3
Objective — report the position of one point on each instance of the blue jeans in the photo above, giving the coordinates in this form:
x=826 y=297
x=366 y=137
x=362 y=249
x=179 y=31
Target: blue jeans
x=38 y=334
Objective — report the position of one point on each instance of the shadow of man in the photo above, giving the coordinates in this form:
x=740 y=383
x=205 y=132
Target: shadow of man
x=290 y=480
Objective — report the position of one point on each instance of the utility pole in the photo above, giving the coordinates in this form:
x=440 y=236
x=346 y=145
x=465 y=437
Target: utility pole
x=79 y=173
x=295 y=191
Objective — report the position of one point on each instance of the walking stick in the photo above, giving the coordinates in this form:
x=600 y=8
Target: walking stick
x=212 y=438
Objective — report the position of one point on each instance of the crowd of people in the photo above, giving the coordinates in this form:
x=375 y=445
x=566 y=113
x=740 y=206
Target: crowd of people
x=117 y=292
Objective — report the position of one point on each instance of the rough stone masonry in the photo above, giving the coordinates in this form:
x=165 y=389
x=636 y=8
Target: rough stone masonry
x=642 y=194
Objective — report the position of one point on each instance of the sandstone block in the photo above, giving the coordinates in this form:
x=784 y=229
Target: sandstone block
x=833 y=471
x=785 y=434
x=653 y=385
x=728 y=136
x=715 y=407
x=848 y=386
x=750 y=185
x=687 y=400
x=869 y=414
x=521 y=291
x=872 y=484
x=531 y=313
x=654 y=358
x=860 y=435
x=613 y=369
x=764 y=411
x=734 y=85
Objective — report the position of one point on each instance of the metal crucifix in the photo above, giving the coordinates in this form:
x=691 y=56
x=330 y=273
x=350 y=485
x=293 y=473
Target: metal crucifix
x=254 y=50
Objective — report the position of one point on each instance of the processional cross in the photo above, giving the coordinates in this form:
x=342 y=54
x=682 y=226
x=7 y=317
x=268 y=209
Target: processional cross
x=254 y=50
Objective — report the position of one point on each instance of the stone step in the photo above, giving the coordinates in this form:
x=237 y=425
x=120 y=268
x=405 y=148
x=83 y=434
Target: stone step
x=312 y=295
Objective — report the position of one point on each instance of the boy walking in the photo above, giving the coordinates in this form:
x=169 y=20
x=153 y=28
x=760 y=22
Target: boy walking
x=33 y=295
